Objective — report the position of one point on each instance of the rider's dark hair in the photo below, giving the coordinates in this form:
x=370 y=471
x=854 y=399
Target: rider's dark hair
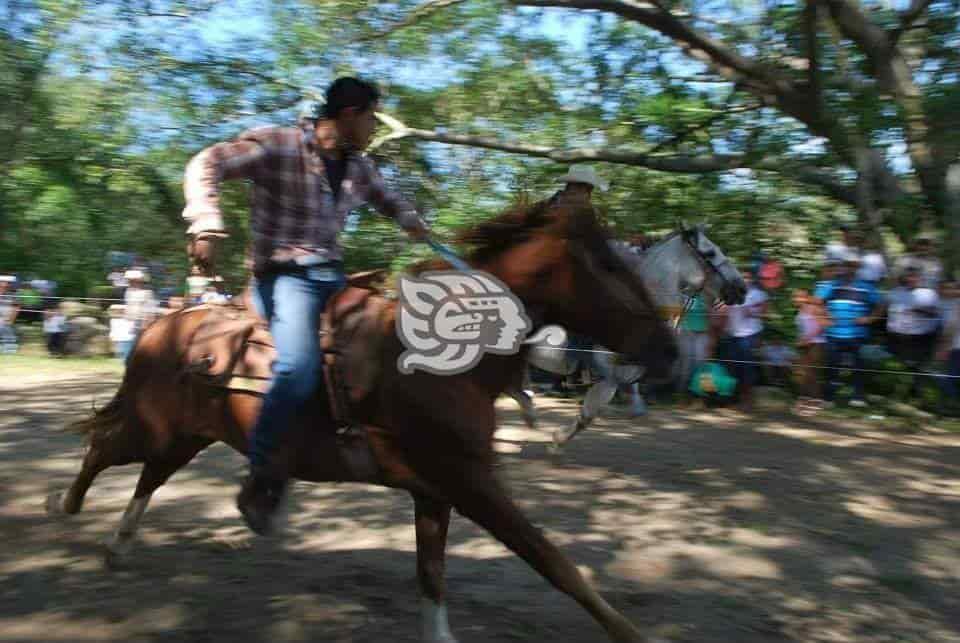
x=349 y=92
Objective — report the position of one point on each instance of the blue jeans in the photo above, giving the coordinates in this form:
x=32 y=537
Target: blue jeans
x=950 y=385
x=292 y=300
x=837 y=350
x=744 y=351
x=8 y=339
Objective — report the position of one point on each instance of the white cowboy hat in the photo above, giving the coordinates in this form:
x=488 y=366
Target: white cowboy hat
x=8 y=278
x=133 y=274
x=584 y=174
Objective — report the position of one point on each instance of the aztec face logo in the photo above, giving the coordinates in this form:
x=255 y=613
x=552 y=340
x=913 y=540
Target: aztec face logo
x=449 y=319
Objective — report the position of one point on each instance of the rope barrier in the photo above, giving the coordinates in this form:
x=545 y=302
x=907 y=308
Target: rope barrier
x=709 y=313
x=756 y=363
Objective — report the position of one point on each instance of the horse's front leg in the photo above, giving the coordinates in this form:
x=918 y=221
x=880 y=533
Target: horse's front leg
x=596 y=399
x=432 y=520
x=523 y=399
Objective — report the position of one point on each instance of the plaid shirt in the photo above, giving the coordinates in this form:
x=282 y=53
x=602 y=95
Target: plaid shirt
x=294 y=214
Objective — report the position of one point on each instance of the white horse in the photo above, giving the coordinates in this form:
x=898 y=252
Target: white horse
x=674 y=269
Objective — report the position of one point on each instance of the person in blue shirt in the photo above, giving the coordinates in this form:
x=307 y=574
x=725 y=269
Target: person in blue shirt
x=852 y=306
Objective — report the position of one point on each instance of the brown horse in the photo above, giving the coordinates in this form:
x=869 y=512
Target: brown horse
x=429 y=434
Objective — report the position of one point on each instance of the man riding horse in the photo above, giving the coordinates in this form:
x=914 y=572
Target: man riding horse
x=306 y=180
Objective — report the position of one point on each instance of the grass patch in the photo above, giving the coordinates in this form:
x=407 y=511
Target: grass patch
x=29 y=362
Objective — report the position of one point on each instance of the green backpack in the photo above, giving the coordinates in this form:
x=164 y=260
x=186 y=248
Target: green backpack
x=711 y=378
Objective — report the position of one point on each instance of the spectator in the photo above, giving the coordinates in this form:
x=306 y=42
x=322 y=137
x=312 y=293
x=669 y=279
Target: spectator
x=174 y=304
x=140 y=307
x=923 y=256
x=694 y=339
x=745 y=325
x=213 y=292
x=873 y=265
x=31 y=303
x=121 y=332
x=837 y=250
x=810 y=345
x=196 y=286
x=55 y=329
x=913 y=319
x=9 y=309
x=949 y=349
x=852 y=306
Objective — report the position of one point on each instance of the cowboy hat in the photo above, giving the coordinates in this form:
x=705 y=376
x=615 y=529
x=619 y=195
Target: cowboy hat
x=584 y=174
x=133 y=275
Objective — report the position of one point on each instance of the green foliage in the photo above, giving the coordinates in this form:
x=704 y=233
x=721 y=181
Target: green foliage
x=102 y=104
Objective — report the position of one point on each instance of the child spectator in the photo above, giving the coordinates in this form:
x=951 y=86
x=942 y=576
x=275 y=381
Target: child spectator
x=121 y=332
x=55 y=328
x=810 y=346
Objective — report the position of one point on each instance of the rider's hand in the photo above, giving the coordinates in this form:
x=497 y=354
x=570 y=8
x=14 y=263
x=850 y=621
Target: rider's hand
x=418 y=232
x=203 y=254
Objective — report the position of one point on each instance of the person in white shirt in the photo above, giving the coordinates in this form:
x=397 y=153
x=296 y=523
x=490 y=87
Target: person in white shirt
x=140 y=306
x=121 y=332
x=949 y=348
x=922 y=257
x=913 y=319
x=55 y=328
x=744 y=326
x=849 y=242
x=873 y=265
x=9 y=308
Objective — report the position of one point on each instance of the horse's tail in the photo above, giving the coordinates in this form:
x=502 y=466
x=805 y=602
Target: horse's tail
x=104 y=421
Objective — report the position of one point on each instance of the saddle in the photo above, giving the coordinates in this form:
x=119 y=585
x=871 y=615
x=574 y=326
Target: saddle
x=232 y=348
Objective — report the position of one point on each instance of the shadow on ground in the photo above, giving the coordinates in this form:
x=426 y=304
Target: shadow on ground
x=700 y=527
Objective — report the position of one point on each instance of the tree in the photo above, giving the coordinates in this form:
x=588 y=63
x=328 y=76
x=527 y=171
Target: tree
x=855 y=83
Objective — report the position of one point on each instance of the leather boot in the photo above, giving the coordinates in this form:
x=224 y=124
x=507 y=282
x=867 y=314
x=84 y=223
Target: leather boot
x=258 y=500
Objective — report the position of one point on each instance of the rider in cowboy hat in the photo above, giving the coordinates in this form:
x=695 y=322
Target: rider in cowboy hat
x=580 y=182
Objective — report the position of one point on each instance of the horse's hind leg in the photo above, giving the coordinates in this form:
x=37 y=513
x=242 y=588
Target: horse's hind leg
x=478 y=495
x=156 y=471
x=100 y=456
x=432 y=520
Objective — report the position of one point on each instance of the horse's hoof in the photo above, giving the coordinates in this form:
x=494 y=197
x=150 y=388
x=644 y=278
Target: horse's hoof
x=54 y=504
x=116 y=553
x=113 y=560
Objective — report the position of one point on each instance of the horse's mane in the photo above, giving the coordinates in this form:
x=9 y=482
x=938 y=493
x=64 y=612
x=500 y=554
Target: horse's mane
x=515 y=225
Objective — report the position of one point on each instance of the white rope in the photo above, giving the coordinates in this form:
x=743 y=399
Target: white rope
x=734 y=361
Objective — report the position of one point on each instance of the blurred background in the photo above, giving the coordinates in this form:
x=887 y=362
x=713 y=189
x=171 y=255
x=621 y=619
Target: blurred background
x=773 y=122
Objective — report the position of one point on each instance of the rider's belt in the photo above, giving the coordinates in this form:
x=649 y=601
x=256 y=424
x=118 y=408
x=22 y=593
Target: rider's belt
x=323 y=271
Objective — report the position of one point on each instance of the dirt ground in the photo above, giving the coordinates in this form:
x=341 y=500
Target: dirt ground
x=700 y=526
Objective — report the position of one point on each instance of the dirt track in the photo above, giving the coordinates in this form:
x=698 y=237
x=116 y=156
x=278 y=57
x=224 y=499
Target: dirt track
x=700 y=527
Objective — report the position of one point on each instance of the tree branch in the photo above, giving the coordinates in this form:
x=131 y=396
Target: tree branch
x=148 y=11
x=908 y=17
x=810 y=19
x=763 y=82
x=423 y=11
x=697 y=127
x=682 y=164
